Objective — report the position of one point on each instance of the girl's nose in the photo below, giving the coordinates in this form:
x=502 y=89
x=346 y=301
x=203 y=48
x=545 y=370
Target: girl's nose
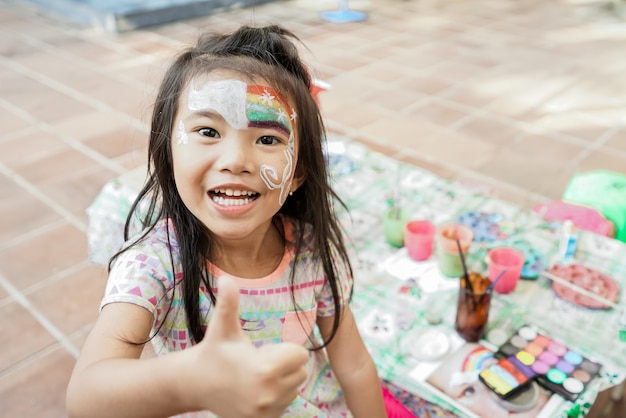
x=235 y=156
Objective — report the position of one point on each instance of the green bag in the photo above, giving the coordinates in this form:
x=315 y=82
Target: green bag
x=603 y=190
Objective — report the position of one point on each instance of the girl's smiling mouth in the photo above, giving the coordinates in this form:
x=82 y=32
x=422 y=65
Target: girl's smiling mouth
x=232 y=196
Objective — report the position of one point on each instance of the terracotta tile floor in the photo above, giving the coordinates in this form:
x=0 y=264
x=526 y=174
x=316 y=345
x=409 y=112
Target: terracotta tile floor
x=514 y=95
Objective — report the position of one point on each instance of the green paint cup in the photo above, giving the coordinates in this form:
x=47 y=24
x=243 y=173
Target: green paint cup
x=448 y=258
x=394 y=221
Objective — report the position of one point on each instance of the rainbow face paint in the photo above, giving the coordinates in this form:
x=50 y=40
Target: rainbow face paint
x=268 y=109
x=246 y=106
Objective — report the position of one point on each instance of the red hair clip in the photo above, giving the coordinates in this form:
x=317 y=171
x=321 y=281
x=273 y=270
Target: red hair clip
x=318 y=86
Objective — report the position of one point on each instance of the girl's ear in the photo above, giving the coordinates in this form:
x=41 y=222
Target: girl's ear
x=298 y=178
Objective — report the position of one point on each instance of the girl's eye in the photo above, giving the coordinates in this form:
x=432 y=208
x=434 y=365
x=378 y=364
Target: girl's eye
x=209 y=132
x=268 y=140
x=469 y=391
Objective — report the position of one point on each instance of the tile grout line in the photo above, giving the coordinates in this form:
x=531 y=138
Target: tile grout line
x=15 y=367
x=73 y=143
x=25 y=236
x=43 y=198
x=529 y=194
x=6 y=137
x=88 y=34
x=56 y=276
x=594 y=146
x=62 y=88
x=43 y=321
x=480 y=176
x=42 y=46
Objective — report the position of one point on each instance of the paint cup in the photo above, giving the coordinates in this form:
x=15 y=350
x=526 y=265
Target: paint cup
x=394 y=221
x=418 y=239
x=472 y=311
x=448 y=257
x=508 y=258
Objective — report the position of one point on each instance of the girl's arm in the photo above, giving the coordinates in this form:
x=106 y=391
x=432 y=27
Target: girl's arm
x=353 y=366
x=224 y=373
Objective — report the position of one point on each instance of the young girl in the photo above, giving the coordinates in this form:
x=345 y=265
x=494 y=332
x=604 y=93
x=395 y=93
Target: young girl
x=237 y=197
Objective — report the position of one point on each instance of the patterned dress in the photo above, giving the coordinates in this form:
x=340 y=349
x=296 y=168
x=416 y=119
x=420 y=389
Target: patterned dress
x=143 y=276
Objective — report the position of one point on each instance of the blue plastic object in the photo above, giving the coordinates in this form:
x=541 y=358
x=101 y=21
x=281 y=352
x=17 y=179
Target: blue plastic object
x=344 y=14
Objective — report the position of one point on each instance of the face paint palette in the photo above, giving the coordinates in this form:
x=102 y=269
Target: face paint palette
x=505 y=378
x=552 y=364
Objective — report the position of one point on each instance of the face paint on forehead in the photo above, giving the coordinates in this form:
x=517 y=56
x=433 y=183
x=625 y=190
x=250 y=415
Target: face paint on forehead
x=243 y=105
x=226 y=97
x=267 y=108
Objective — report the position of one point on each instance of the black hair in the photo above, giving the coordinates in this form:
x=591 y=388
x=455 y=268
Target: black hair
x=269 y=53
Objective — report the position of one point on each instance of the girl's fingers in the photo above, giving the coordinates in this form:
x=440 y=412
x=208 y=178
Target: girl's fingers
x=225 y=322
x=287 y=357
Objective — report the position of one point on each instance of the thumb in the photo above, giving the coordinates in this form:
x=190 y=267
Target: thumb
x=225 y=321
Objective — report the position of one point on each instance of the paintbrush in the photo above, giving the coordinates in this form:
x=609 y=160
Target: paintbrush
x=468 y=282
x=493 y=283
x=491 y=286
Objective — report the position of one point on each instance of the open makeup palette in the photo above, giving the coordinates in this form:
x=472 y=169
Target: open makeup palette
x=530 y=355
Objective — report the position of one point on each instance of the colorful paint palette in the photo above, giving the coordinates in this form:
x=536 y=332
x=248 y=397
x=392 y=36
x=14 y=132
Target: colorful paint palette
x=505 y=378
x=486 y=226
x=552 y=364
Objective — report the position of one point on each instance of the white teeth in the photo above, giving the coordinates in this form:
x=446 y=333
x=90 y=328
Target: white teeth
x=231 y=192
x=230 y=202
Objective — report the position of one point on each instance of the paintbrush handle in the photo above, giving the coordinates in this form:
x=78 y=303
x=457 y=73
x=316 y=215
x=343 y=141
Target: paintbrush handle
x=468 y=282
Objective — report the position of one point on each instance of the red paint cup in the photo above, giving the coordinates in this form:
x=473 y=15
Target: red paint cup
x=418 y=239
x=508 y=258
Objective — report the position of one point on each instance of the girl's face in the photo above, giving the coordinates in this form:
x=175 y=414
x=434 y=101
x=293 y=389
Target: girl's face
x=234 y=151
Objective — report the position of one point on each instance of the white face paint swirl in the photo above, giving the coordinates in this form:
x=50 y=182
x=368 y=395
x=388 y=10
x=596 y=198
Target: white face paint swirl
x=269 y=175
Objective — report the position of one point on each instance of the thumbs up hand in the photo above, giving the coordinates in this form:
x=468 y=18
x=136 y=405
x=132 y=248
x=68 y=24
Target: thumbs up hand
x=231 y=377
